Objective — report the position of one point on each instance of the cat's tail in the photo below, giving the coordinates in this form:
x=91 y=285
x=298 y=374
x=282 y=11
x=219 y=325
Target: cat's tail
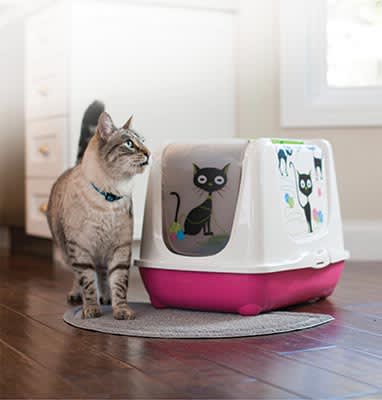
x=89 y=125
x=177 y=205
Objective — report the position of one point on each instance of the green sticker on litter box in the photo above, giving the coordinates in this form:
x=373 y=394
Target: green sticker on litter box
x=286 y=141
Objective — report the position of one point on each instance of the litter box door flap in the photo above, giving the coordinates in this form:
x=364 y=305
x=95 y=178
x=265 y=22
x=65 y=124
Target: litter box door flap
x=301 y=169
x=200 y=187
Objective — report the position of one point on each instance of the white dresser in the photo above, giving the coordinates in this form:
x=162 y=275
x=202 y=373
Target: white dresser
x=171 y=64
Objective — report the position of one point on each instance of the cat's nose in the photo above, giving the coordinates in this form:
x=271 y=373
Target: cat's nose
x=145 y=159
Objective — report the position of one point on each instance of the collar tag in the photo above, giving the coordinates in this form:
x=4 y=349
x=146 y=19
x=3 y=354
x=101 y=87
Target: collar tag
x=107 y=195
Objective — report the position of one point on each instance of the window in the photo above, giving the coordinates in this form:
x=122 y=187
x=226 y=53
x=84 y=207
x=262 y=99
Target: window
x=331 y=62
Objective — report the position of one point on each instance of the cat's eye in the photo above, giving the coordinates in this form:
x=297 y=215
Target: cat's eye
x=302 y=184
x=219 y=180
x=202 y=179
x=129 y=144
x=309 y=184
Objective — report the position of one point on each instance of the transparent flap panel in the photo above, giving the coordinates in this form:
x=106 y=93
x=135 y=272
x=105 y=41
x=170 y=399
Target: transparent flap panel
x=200 y=186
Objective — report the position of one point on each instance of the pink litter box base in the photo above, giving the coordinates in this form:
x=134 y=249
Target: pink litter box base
x=246 y=294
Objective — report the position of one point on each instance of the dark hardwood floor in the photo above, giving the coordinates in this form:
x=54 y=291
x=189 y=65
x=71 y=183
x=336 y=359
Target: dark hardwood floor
x=42 y=357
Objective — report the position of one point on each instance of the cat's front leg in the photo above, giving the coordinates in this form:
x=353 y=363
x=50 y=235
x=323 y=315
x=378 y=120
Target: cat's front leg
x=86 y=277
x=74 y=296
x=119 y=279
x=208 y=228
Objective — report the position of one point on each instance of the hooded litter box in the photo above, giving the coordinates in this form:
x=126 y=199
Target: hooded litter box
x=241 y=226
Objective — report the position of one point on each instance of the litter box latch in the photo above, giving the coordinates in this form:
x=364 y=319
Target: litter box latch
x=321 y=258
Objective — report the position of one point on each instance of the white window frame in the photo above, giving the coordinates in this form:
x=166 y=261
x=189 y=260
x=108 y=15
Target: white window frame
x=306 y=99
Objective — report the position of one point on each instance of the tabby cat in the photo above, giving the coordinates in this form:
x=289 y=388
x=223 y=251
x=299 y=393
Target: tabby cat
x=90 y=214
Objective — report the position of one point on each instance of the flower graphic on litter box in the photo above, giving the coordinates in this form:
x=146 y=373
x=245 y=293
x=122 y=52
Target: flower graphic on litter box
x=289 y=200
x=176 y=232
x=318 y=216
x=319 y=192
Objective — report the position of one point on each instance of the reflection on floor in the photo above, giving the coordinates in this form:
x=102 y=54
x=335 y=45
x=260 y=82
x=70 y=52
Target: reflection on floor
x=42 y=357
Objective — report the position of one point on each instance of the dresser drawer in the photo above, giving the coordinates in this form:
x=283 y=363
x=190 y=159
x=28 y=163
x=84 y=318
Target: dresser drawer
x=45 y=31
x=46 y=44
x=45 y=67
x=46 y=97
x=37 y=196
x=46 y=147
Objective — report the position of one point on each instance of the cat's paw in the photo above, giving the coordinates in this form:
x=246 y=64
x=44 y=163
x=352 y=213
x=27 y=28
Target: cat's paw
x=105 y=301
x=123 y=312
x=91 y=311
x=74 y=298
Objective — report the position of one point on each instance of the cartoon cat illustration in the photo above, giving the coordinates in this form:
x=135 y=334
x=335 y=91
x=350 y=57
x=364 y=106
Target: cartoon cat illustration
x=199 y=218
x=282 y=155
x=304 y=186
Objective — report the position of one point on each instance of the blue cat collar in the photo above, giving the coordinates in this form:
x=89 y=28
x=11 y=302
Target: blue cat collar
x=107 y=195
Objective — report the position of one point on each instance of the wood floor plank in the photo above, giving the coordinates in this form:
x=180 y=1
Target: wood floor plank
x=347 y=337
x=353 y=364
x=193 y=374
x=21 y=377
x=301 y=378
x=26 y=302
x=77 y=362
x=347 y=317
x=371 y=396
x=337 y=360
x=369 y=308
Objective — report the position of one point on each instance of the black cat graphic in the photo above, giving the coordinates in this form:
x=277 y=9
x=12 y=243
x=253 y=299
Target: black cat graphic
x=318 y=167
x=304 y=185
x=282 y=155
x=199 y=218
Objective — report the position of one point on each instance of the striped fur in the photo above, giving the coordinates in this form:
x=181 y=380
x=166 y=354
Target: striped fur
x=95 y=235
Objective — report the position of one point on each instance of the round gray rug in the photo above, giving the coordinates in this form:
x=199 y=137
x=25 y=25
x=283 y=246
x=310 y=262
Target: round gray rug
x=172 y=323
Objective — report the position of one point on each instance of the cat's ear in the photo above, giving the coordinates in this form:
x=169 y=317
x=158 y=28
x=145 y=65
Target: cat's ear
x=128 y=123
x=196 y=168
x=105 y=126
x=225 y=169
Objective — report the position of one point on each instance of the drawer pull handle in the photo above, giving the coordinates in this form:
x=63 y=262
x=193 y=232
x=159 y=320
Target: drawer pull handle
x=44 y=150
x=43 y=92
x=43 y=208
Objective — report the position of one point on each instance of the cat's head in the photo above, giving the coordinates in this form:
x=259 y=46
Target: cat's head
x=305 y=184
x=289 y=150
x=122 y=152
x=210 y=179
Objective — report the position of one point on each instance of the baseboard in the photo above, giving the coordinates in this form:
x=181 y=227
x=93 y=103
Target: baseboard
x=363 y=239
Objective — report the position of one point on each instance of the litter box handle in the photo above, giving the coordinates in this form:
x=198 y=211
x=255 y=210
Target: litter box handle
x=321 y=258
